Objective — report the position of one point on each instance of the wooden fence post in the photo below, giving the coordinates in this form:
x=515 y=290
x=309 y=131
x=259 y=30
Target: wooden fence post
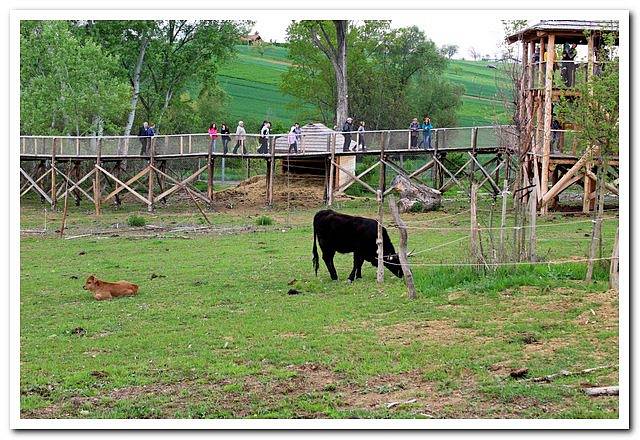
x=210 y=171
x=96 y=179
x=380 y=199
x=475 y=233
x=503 y=220
x=533 y=212
x=614 y=271
x=53 y=174
x=402 y=252
x=596 y=235
x=331 y=170
x=152 y=152
x=272 y=171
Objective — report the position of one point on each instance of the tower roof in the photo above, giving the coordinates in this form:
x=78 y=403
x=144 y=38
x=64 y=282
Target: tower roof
x=566 y=31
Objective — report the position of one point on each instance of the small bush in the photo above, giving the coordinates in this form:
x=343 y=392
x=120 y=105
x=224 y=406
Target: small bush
x=135 y=220
x=417 y=207
x=264 y=220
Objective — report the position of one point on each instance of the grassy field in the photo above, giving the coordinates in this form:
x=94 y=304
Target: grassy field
x=252 y=82
x=214 y=333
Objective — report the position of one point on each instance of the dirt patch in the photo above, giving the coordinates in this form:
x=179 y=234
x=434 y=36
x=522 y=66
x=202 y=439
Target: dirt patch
x=296 y=192
x=442 y=331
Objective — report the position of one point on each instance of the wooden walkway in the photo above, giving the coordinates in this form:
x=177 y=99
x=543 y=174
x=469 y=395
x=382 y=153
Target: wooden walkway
x=100 y=170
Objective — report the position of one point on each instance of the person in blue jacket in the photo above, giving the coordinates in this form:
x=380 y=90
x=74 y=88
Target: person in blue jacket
x=426 y=127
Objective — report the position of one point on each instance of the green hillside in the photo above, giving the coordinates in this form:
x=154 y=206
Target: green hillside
x=252 y=82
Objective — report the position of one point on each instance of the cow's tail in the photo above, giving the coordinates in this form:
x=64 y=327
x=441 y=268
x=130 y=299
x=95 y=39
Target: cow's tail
x=315 y=251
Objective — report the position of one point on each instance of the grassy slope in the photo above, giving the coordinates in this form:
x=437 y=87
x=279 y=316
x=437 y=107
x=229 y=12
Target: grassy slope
x=252 y=83
x=218 y=336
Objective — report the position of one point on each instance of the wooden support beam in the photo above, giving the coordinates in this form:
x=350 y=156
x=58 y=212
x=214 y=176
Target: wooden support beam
x=152 y=153
x=53 y=174
x=42 y=192
x=423 y=168
x=548 y=90
x=42 y=176
x=561 y=184
x=127 y=187
x=346 y=185
x=127 y=184
x=67 y=189
x=494 y=186
x=332 y=170
x=354 y=177
x=186 y=181
x=97 y=190
x=607 y=185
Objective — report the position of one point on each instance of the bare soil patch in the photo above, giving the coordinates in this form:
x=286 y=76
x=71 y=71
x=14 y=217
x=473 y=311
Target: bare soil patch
x=441 y=331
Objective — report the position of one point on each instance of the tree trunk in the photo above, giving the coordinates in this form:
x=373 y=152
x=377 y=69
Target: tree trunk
x=340 y=67
x=136 y=92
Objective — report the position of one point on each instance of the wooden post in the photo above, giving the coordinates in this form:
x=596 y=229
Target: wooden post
x=64 y=210
x=96 y=179
x=24 y=144
x=548 y=94
x=248 y=167
x=474 y=144
x=272 y=171
x=331 y=170
x=596 y=235
x=152 y=153
x=210 y=171
x=533 y=212
x=77 y=147
x=181 y=146
x=614 y=271
x=402 y=252
x=53 y=174
x=189 y=143
x=503 y=220
x=380 y=200
x=475 y=233
x=541 y=64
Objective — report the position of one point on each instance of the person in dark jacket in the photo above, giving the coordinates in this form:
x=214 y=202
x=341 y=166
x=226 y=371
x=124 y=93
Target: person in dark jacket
x=347 y=128
x=264 y=137
x=361 y=140
x=568 y=68
x=414 y=129
x=143 y=135
x=224 y=131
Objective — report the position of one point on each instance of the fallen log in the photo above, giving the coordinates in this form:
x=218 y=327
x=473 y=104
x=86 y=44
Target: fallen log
x=565 y=373
x=415 y=196
x=601 y=391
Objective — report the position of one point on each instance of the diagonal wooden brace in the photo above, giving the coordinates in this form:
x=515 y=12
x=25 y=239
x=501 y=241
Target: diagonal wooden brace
x=127 y=187
x=36 y=186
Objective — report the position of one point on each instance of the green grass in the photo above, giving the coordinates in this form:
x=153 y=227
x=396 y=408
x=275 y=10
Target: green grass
x=213 y=332
x=252 y=82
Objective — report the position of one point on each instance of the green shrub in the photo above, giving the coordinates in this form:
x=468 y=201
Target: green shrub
x=417 y=207
x=264 y=220
x=136 y=220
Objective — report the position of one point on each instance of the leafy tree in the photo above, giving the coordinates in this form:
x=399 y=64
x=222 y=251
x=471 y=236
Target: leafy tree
x=67 y=86
x=449 y=50
x=181 y=51
x=393 y=75
x=595 y=110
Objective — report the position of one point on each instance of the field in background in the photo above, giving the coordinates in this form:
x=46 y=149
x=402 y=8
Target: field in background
x=252 y=81
x=214 y=332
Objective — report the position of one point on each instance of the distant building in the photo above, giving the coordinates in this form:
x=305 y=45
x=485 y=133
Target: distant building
x=252 y=39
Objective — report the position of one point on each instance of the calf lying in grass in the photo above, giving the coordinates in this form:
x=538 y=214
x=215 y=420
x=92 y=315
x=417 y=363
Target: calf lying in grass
x=106 y=290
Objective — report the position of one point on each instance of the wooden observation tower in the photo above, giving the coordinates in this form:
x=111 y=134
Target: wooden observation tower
x=553 y=63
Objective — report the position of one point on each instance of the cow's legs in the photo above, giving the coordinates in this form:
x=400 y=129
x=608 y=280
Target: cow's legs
x=357 y=267
x=328 y=260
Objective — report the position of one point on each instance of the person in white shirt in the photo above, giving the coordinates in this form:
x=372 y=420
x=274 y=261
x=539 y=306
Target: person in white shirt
x=241 y=135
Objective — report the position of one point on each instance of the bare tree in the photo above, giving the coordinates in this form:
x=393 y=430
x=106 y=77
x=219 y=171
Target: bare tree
x=449 y=50
x=475 y=54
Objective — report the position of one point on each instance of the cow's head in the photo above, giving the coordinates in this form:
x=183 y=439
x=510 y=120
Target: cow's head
x=392 y=262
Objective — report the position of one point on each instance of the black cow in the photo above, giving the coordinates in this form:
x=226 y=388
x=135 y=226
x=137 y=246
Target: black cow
x=345 y=233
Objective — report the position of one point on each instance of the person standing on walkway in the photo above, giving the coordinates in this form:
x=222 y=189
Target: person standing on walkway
x=298 y=131
x=241 y=136
x=213 y=135
x=292 y=139
x=143 y=135
x=347 y=128
x=264 y=137
x=361 y=141
x=426 y=127
x=414 y=129
x=224 y=131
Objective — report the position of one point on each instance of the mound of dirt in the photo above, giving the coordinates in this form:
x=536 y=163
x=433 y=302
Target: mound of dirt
x=297 y=192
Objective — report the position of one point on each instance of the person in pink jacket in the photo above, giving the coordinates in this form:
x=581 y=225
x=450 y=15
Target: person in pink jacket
x=213 y=135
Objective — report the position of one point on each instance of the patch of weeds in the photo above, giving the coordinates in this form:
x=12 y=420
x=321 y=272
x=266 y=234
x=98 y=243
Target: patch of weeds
x=264 y=220
x=136 y=221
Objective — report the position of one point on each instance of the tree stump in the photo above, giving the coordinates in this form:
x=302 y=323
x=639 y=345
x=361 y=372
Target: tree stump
x=415 y=197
